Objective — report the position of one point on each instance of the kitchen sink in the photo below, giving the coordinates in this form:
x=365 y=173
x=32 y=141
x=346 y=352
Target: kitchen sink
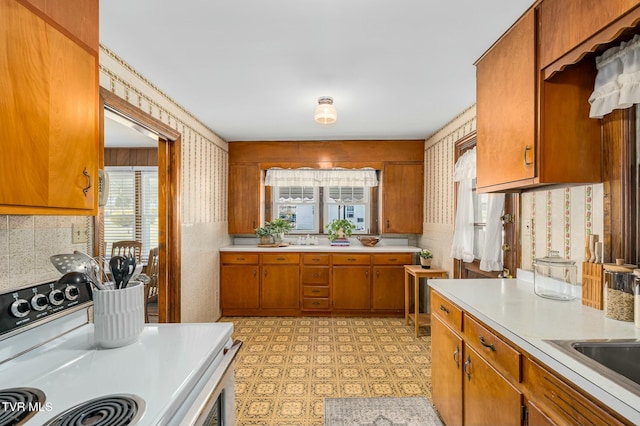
x=617 y=360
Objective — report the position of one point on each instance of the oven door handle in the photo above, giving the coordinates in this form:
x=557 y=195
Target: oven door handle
x=217 y=378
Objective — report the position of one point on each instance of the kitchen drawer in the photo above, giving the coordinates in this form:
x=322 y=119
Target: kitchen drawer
x=392 y=259
x=315 y=303
x=311 y=275
x=351 y=259
x=280 y=258
x=559 y=402
x=315 y=259
x=315 y=291
x=239 y=258
x=447 y=311
x=499 y=354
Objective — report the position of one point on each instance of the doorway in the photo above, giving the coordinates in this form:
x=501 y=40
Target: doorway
x=168 y=201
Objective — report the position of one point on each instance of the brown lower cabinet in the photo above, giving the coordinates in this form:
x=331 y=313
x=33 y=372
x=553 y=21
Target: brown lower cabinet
x=481 y=378
x=292 y=284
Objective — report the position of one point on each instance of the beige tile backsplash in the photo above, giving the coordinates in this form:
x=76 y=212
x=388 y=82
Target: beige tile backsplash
x=27 y=242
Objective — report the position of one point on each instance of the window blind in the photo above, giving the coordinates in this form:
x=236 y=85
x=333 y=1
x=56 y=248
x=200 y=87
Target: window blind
x=131 y=211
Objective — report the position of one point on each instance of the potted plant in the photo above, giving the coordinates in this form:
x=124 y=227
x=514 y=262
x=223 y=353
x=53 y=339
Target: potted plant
x=264 y=233
x=340 y=228
x=279 y=227
x=425 y=258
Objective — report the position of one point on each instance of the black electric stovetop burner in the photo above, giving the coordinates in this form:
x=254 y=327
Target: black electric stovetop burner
x=19 y=404
x=109 y=410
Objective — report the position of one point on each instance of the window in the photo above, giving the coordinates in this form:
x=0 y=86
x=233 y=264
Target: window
x=302 y=205
x=298 y=205
x=131 y=212
x=348 y=202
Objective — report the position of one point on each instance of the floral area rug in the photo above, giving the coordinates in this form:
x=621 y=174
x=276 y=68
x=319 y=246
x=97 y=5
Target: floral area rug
x=403 y=411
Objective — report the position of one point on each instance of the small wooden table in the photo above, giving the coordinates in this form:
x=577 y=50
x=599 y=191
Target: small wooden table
x=418 y=272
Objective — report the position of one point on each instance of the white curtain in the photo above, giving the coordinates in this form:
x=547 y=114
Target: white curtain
x=492 y=253
x=464 y=172
x=617 y=83
x=321 y=177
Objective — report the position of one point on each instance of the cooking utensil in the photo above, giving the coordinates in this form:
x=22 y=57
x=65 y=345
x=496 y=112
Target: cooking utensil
x=75 y=278
x=92 y=269
x=117 y=265
x=130 y=267
x=69 y=262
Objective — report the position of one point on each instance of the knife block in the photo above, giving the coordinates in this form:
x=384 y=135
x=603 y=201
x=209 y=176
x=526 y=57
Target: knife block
x=592 y=279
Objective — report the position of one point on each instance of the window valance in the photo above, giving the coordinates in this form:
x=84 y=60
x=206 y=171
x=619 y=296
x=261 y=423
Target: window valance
x=321 y=177
x=617 y=83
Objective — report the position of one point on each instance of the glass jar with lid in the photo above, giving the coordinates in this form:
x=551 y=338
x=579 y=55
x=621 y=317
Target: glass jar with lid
x=555 y=277
x=618 y=295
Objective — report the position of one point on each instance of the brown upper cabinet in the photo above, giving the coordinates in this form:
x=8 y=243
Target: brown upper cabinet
x=402 y=198
x=531 y=131
x=401 y=186
x=565 y=25
x=49 y=79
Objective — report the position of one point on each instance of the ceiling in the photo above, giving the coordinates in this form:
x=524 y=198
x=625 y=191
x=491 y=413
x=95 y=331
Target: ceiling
x=254 y=69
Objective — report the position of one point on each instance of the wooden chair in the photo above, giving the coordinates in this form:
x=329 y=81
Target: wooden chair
x=151 y=289
x=123 y=248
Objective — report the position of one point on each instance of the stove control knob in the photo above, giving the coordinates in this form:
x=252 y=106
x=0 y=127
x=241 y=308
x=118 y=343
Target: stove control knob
x=39 y=302
x=20 y=308
x=71 y=292
x=56 y=297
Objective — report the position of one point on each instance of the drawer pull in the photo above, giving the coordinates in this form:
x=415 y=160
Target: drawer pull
x=455 y=356
x=281 y=258
x=486 y=345
x=316 y=275
x=443 y=309
x=466 y=366
x=316 y=259
x=239 y=258
x=315 y=303
x=315 y=291
x=351 y=259
x=393 y=259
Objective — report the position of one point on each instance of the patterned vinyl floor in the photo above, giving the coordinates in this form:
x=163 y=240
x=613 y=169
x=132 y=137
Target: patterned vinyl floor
x=287 y=366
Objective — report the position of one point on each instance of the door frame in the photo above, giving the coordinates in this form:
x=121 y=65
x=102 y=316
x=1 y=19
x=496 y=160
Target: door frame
x=169 y=200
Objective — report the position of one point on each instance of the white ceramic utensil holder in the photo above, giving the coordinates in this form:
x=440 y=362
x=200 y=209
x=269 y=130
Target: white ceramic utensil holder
x=118 y=315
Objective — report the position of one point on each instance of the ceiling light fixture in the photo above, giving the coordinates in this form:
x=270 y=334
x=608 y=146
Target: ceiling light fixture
x=325 y=111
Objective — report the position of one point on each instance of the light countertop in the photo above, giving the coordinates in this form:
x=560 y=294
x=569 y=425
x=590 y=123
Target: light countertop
x=355 y=247
x=511 y=308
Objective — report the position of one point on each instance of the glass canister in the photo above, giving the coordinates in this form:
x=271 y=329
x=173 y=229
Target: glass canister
x=555 y=277
x=618 y=295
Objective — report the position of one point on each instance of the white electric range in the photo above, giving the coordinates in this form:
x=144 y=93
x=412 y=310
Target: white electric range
x=49 y=366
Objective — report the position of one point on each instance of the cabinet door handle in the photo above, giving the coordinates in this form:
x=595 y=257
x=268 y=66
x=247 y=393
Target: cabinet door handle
x=366 y=274
x=455 y=356
x=466 y=366
x=255 y=272
x=487 y=345
x=443 y=309
x=265 y=272
x=377 y=274
x=88 y=187
x=526 y=149
x=388 y=224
